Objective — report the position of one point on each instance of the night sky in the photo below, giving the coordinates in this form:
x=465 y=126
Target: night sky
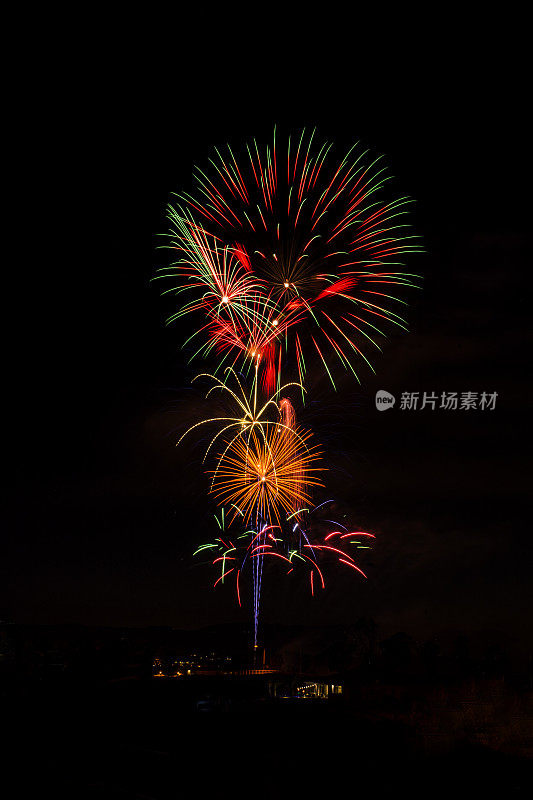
x=103 y=511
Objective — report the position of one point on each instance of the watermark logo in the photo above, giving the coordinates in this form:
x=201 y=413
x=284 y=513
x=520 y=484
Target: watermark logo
x=384 y=400
x=445 y=401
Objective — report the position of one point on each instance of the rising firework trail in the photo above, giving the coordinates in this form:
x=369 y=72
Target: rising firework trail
x=303 y=543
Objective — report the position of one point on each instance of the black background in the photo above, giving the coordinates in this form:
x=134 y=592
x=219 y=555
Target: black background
x=103 y=511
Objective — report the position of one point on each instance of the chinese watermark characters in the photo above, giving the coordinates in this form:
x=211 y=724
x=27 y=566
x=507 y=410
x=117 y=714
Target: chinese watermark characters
x=448 y=401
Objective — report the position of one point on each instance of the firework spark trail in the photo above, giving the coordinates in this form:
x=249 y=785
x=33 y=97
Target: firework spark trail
x=258 y=576
x=290 y=542
x=288 y=416
x=318 y=242
x=266 y=476
x=284 y=252
x=264 y=470
x=248 y=414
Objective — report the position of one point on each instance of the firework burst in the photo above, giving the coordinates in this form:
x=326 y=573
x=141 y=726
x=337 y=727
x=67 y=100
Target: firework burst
x=248 y=414
x=316 y=246
x=286 y=255
x=267 y=475
x=302 y=543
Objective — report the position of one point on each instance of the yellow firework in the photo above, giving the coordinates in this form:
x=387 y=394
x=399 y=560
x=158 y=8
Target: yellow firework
x=266 y=473
x=249 y=415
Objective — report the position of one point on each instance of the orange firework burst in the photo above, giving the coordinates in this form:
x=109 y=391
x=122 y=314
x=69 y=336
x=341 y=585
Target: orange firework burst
x=267 y=473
